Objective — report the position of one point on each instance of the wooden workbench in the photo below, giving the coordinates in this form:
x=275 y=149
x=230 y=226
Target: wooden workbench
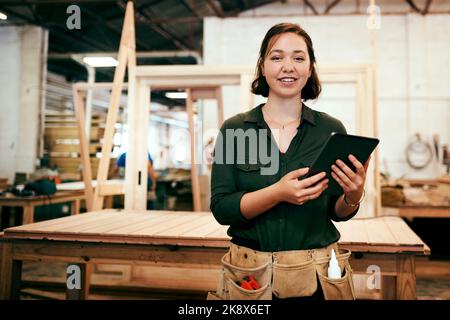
x=189 y=239
x=423 y=199
x=29 y=203
x=421 y=211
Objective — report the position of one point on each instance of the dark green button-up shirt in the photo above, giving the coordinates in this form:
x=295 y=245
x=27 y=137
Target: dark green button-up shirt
x=286 y=226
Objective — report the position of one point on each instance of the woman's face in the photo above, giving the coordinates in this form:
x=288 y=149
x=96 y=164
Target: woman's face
x=287 y=66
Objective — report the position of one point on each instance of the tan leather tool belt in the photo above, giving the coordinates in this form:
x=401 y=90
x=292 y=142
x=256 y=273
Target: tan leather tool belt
x=284 y=274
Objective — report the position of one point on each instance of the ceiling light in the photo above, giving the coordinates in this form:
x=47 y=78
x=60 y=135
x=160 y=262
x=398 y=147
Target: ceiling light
x=176 y=95
x=100 y=61
x=3 y=16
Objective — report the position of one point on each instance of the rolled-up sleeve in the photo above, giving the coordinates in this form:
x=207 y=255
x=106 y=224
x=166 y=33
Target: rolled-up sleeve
x=225 y=196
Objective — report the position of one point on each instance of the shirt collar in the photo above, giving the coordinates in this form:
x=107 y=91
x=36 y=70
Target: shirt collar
x=255 y=115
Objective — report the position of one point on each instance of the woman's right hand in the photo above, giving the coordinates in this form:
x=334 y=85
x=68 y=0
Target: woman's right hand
x=298 y=192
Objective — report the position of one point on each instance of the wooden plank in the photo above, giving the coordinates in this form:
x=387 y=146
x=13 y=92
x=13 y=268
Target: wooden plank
x=97 y=85
x=83 y=292
x=152 y=220
x=136 y=175
x=100 y=227
x=344 y=229
x=84 y=145
x=220 y=114
x=372 y=115
x=353 y=231
x=59 y=196
x=379 y=248
x=28 y=213
x=10 y=273
x=424 y=212
x=389 y=288
x=82 y=221
x=193 y=71
x=133 y=220
x=75 y=207
x=126 y=40
x=204 y=230
x=42 y=294
x=55 y=222
x=82 y=225
x=119 y=253
x=386 y=262
x=179 y=230
x=5 y=269
x=161 y=227
x=194 y=166
x=111 y=187
x=379 y=233
x=400 y=230
x=406 y=277
x=203 y=93
x=246 y=96
x=220 y=233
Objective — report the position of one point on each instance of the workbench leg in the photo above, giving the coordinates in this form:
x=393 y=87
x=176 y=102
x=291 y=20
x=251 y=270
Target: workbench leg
x=108 y=202
x=75 y=207
x=28 y=214
x=78 y=276
x=11 y=273
x=388 y=287
x=406 y=277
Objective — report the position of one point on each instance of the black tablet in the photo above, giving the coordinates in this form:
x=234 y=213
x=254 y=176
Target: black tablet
x=339 y=146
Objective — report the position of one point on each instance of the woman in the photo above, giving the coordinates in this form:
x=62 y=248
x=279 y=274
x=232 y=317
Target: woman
x=274 y=215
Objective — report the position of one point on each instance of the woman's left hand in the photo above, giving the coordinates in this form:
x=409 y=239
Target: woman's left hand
x=351 y=182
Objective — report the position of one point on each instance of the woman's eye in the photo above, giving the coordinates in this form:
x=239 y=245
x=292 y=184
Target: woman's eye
x=275 y=58
x=299 y=59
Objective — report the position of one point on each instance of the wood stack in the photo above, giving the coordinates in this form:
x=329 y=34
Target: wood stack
x=392 y=196
x=62 y=145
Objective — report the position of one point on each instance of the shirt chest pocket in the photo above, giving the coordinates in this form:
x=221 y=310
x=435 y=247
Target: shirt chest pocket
x=251 y=177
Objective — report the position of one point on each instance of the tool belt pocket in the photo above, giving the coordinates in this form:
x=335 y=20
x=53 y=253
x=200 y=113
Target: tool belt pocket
x=234 y=273
x=294 y=275
x=337 y=289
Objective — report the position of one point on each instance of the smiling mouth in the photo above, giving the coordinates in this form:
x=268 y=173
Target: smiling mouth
x=287 y=80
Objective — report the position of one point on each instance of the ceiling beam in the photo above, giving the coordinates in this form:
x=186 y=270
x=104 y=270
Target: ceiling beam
x=331 y=5
x=216 y=7
x=180 y=44
x=188 y=6
x=17 y=15
x=112 y=27
x=70 y=36
x=171 y=20
x=413 y=6
x=24 y=2
x=55 y=32
x=427 y=7
x=310 y=5
x=148 y=4
x=417 y=9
